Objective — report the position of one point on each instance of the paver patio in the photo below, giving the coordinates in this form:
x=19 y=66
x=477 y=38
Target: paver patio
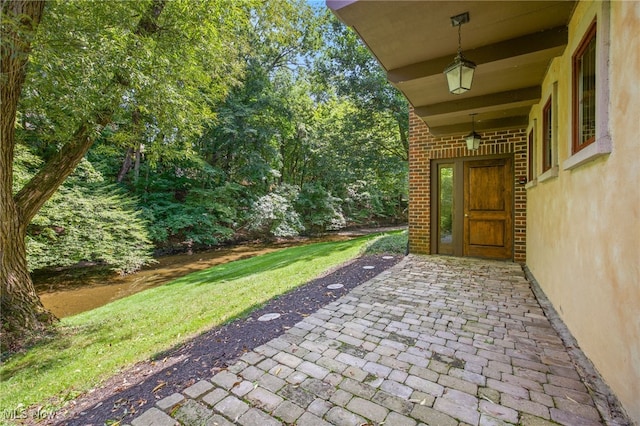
x=434 y=340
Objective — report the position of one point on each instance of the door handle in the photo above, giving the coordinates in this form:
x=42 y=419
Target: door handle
x=466 y=215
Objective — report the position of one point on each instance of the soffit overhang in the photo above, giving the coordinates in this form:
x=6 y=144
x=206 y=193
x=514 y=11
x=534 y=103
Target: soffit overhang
x=512 y=43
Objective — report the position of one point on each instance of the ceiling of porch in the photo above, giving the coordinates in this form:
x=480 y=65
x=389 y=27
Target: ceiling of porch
x=512 y=43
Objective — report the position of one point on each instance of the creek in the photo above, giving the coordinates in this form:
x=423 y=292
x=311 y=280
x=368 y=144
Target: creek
x=71 y=291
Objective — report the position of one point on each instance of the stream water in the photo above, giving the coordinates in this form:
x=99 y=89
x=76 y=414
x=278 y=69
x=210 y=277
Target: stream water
x=71 y=291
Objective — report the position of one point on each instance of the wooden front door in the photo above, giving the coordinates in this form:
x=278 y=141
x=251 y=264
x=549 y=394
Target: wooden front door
x=488 y=201
x=473 y=213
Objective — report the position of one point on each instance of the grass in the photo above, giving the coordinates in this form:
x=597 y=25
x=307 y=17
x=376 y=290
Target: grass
x=92 y=346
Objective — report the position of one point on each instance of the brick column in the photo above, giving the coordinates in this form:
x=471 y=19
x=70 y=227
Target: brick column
x=420 y=142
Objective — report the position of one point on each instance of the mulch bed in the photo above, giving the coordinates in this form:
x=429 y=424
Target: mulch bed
x=133 y=391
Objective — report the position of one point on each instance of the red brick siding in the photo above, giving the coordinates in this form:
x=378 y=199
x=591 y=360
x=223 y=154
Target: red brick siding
x=423 y=147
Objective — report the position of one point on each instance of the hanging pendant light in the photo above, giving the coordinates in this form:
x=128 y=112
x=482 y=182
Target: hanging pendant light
x=460 y=72
x=473 y=139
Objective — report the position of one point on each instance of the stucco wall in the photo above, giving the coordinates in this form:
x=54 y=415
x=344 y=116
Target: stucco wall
x=583 y=226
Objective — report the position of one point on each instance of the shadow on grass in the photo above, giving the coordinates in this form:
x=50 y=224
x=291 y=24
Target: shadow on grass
x=50 y=351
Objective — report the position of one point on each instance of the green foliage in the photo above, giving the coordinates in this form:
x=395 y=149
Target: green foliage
x=365 y=203
x=348 y=67
x=187 y=202
x=93 y=224
x=25 y=164
x=85 y=220
x=226 y=102
x=395 y=243
x=91 y=57
x=191 y=216
x=289 y=210
x=320 y=211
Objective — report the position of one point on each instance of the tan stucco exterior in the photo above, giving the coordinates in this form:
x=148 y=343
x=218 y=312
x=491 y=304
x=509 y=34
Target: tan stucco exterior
x=583 y=217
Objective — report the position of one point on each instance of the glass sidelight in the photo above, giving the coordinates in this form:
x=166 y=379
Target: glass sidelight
x=446 y=208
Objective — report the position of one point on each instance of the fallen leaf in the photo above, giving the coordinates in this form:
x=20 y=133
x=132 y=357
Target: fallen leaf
x=174 y=409
x=160 y=386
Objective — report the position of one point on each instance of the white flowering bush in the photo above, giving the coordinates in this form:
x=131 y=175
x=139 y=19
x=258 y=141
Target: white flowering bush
x=274 y=214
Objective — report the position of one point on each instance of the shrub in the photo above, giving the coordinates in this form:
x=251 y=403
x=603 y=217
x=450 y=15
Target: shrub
x=85 y=220
x=194 y=216
x=88 y=224
x=365 y=203
x=320 y=211
x=391 y=244
x=273 y=214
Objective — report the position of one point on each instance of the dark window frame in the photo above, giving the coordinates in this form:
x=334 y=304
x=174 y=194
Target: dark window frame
x=578 y=143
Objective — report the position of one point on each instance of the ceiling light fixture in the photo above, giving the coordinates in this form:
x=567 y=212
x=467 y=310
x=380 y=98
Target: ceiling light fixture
x=460 y=72
x=473 y=139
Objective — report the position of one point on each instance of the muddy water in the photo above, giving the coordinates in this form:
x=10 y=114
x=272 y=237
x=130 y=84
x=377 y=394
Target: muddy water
x=73 y=291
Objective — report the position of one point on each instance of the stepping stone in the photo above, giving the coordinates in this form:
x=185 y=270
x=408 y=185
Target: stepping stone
x=334 y=286
x=269 y=317
x=387 y=257
x=368 y=267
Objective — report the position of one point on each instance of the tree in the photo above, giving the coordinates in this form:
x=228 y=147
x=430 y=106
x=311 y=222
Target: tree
x=367 y=121
x=257 y=118
x=91 y=63
x=348 y=66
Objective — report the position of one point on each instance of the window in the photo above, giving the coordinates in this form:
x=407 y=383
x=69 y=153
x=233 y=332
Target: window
x=584 y=91
x=590 y=136
x=446 y=208
x=547 y=136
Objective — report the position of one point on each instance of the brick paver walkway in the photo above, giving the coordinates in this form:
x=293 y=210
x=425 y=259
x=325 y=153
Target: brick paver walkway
x=434 y=340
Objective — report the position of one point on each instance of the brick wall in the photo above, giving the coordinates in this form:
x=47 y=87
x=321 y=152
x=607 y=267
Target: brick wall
x=423 y=147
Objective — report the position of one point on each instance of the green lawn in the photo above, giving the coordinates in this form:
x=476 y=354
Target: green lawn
x=94 y=345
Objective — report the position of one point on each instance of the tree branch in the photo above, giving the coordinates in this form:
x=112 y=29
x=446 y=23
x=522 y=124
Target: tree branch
x=49 y=178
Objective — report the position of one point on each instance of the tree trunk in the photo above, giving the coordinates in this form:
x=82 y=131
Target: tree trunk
x=129 y=155
x=20 y=308
x=23 y=315
x=126 y=165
